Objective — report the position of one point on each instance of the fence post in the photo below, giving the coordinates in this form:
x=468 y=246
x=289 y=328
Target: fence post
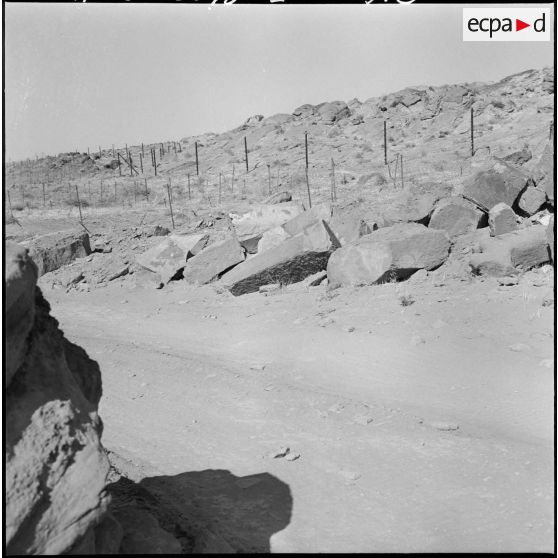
x=44 y=198
x=385 y=143
x=79 y=205
x=170 y=204
x=141 y=162
x=119 y=169
x=100 y=154
x=308 y=188
x=146 y=190
x=306 y=148
x=197 y=162
x=246 y=152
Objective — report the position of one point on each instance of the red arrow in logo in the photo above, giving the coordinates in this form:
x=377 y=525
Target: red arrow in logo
x=519 y=25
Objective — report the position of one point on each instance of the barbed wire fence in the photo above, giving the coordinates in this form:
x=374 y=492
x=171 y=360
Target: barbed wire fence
x=138 y=176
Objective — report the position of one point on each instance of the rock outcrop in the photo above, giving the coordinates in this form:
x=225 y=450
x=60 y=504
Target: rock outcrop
x=52 y=251
x=55 y=466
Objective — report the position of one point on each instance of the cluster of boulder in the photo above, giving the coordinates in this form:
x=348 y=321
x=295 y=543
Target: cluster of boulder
x=281 y=243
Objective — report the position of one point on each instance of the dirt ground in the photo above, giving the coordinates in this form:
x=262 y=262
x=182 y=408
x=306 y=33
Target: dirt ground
x=425 y=427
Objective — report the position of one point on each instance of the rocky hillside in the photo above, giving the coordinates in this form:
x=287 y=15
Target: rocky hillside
x=428 y=137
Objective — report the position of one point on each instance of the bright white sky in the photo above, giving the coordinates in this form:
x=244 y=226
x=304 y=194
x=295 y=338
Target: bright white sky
x=83 y=75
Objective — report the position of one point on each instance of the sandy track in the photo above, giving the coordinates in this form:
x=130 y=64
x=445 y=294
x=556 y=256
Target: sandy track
x=184 y=391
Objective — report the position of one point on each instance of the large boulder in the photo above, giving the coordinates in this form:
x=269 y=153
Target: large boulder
x=250 y=226
x=512 y=252
x=317 y=213
x=331 y=112
x=290 y=262
x=543 y=173
x=411 y=208
x=495 y=182
x=52 y=251
x=55 y=468
x=502 y=219
x=531 y=200
x=413 y=246
x=394 y=252
x=349 y=223
x=359 y=264
x=456 y=216
x=213 y=261
x=169 y=257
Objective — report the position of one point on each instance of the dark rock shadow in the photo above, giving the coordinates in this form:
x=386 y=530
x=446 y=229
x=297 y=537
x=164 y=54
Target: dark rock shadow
x=211 y=511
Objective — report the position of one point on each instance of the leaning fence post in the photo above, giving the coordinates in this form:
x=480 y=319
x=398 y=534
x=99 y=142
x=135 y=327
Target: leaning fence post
x=170 y=204
x=79 y=206
x=306 y=147
x=308 y=188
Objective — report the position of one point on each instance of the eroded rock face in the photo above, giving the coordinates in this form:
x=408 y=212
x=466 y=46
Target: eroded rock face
x=55 y=467
x=52 y=251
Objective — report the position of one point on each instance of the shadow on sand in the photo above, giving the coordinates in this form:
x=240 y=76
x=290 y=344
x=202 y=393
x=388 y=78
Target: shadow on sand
x=211 y=511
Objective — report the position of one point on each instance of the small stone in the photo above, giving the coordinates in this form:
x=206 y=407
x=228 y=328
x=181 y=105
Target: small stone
x=325 y=322
x=282 y=452
x=363 y=419
x=258 y=367
x=292 y=456
x=348 y=329
x=508 y=280
x=445 y=426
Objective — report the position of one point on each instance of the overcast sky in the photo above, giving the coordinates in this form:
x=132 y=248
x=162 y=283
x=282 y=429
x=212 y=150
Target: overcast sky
x=83 y=75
